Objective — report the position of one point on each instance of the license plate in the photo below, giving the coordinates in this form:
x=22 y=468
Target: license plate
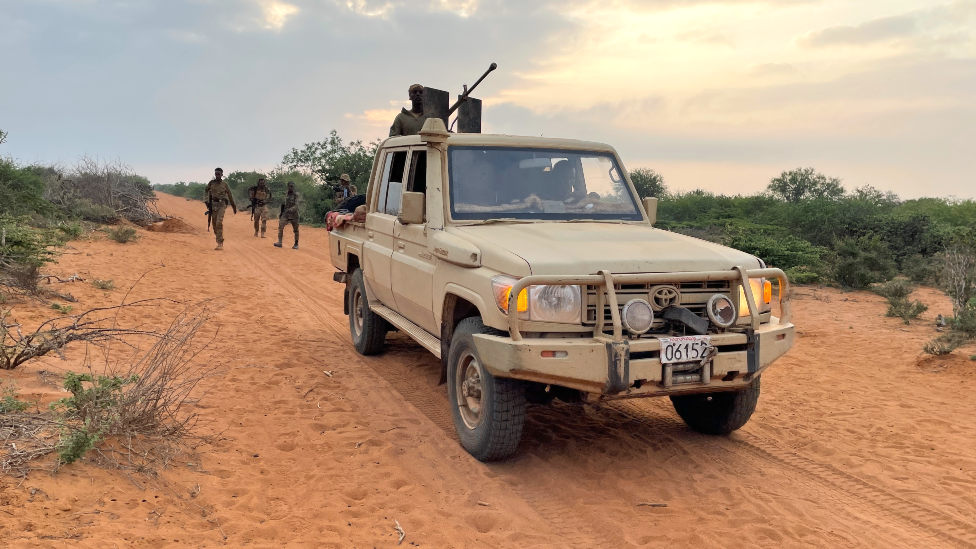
x=684 y=349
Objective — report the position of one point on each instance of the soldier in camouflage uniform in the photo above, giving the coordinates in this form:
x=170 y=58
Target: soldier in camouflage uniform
x=412 y=121
x=260 y=196
x=289 y=214
x=219 y=196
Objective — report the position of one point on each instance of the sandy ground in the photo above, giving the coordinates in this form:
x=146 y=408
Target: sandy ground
x=857 y=441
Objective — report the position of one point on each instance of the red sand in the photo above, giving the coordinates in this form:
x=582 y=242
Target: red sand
x=857 y=441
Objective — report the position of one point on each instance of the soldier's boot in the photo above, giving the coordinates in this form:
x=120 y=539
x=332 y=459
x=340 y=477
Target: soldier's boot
x=277 y=244
x=220 y=246
x=255 y=234
x=295 y=247
x=262 y=235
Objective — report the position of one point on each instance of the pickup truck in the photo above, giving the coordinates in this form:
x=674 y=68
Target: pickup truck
x=531 y=269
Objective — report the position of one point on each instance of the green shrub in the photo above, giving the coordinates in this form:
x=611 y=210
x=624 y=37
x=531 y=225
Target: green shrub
x=965 y=321
x=89 y=211
x=803 y=275
x=898 y=288
x=71 y=231
x=944 y=344
x=122 y=235
x=862 y=261
x=89 y=413
x=920 y=269
x=63 y=309
x=9 y=401
x=103 y=284
x=905 y=309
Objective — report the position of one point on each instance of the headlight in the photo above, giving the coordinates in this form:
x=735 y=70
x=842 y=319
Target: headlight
x=560 y=304
x=762 y=291
x=555 y=304
x=637 y=316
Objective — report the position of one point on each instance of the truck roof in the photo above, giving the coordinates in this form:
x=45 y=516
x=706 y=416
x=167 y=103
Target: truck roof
x=500 y=140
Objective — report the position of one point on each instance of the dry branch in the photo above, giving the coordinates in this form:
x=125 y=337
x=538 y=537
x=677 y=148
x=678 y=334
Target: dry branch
x=54 y=334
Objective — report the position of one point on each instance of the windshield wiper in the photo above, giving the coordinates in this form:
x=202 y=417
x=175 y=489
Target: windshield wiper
x=594 y=221
x=505 y=220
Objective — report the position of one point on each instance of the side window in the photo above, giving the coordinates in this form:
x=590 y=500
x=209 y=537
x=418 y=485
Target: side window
x=418 y=172
x=393 y=183
x=381 y=195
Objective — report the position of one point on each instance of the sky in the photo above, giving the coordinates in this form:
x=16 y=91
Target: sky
x=721 y=95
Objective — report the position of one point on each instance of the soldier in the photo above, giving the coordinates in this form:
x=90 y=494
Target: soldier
x=260 y=195
x=345 y=189
x=412 y=121
x=218 y=195
x=289 y=214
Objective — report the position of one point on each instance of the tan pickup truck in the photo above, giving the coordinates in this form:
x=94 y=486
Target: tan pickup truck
x=607 y=306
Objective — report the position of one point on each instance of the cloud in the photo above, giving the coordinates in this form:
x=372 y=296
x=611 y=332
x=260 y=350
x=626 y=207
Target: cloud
x=276 y=13
x=371 y=9
x=885 y=29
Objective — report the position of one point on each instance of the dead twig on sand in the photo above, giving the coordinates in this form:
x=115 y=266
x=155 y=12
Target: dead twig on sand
x=54 y=334
x=399 y=531
x=646 y=504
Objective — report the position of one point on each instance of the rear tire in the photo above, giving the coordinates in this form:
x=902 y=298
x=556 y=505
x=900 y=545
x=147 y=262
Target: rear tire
x=368 y=329
x=488 y=412
x=717 y=413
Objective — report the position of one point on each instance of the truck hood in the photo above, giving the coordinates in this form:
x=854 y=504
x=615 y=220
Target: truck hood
x=587 y=248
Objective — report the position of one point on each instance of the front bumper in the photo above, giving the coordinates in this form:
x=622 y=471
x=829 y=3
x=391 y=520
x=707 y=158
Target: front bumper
x=611 y=365
x=631 y=367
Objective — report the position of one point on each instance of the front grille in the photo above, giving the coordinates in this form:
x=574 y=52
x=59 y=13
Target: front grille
x=694 y=296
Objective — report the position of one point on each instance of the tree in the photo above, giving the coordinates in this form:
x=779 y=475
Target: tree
x=330 y=158
x=3 y=137
x=648 y=183
x=805 y=183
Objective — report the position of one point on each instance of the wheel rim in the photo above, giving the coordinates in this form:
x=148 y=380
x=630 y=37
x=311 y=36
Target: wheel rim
x=358 y=310
x=469 y=388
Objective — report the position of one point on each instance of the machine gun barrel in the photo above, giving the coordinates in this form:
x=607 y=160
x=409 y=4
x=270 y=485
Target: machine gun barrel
x=468 y=90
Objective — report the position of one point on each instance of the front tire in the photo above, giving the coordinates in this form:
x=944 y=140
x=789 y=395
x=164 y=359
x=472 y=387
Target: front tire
x=488 y=412
x=717 y=413
x=368 y=329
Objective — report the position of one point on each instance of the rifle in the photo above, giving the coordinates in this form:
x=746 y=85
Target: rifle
x=209 y=213
x=254 y=204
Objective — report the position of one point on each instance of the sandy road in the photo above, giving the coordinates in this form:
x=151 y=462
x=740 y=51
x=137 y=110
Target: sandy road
x=855 y=443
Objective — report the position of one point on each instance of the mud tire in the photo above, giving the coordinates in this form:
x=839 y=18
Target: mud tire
x=367 y=328
x=718 y=413
x=501 y=414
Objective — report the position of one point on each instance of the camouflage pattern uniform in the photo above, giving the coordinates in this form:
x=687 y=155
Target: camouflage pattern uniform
x=407 y=123
x=289 y=215
x=261 y=197
x=219 y=193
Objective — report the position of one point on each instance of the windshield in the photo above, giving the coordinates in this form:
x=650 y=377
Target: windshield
x=502 y=182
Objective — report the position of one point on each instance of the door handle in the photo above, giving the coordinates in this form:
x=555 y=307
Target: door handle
x=400 y=245
x=369 y=234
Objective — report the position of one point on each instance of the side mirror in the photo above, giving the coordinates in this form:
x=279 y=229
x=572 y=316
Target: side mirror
x=650 y=208
x=412 y=208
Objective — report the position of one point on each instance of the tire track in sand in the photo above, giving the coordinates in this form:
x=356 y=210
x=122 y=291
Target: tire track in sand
x=571 y=524
x=841 y=486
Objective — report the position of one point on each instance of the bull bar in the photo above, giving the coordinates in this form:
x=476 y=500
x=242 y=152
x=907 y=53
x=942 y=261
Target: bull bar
x=606 y=293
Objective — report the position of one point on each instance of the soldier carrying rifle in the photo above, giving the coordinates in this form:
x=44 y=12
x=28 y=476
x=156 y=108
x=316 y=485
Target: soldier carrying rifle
x=260 y=196
x=218 y=196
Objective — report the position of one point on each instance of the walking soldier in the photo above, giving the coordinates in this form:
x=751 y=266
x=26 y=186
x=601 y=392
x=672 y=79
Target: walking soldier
x=218 y=196
x=289 y=214
x=260 y=196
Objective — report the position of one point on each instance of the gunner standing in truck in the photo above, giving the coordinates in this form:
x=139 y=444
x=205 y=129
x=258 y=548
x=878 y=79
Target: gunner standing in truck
x=412 y=121
x=218 y=196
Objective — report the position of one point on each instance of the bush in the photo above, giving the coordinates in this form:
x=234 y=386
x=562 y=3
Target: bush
x=897 y=292
x=786 y=252
x=803 y=275
x=648 y=183
x=9 y=401
x=898 y=288
x=965 y=321
x=122 y=235
x=920 y=269
x=862 y=261
x=81 y=208
x=944 y=344
x=89 y=413
x=71 y=231
x=103 y=284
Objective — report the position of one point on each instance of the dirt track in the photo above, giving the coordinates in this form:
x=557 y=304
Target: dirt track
x=856 y=441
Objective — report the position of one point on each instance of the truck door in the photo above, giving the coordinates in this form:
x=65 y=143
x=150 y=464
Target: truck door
x=413 y=264
x=378 y=245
